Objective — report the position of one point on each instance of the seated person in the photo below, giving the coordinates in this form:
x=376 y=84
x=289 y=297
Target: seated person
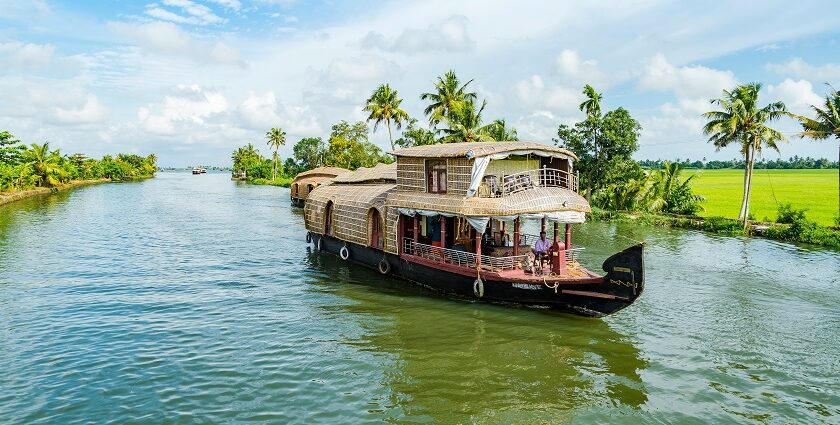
x=542 y=246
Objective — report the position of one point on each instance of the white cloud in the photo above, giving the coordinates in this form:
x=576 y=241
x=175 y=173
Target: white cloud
x=187 y=106
x=578 y=71
x=166 y=38
x=799 y=68
x=691 y=82
x=534 y=93
x=232 y=4
x=264 y=111
x=196 y=14
x=92 y=111
x=449 y=35
x=798 y=95
x=26 y=54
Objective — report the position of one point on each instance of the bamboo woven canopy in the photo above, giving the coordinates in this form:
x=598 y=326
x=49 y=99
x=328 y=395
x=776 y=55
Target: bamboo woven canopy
x=328 y=172
x=379 y=173
x=478 y=149
x=532 y=201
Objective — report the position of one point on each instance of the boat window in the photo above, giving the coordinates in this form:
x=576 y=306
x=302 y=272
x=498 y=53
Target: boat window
x=436 y=176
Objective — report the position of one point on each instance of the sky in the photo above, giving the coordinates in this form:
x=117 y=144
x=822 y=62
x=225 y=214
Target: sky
x=191 y=80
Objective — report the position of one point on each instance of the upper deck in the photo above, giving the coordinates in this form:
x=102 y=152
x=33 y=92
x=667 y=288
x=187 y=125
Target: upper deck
x=485 y=170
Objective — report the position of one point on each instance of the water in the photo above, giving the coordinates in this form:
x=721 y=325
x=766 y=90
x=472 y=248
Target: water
x=195 y=299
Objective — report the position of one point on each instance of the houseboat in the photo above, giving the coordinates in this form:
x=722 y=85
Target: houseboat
x=450 y=217
x=306 y=181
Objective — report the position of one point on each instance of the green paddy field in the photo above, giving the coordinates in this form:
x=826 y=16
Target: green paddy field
x=814 y=190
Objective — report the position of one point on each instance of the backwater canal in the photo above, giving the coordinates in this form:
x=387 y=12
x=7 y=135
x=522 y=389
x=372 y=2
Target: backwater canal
x=196 y=299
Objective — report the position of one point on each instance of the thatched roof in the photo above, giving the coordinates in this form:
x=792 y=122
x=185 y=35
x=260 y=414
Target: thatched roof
x=379 y=173
x=321 y=172
x=312 y=179
x=351 y=205
x=532 y=201
x=479 y=149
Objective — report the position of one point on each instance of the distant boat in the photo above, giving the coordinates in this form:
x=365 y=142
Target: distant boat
x=199 y=170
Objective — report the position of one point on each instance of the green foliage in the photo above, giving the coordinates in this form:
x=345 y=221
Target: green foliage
x=11 y=149
x=804 y=231
x=789 y=215
x=604 y=145
x=275 y=138
x=449 y=99
x=415 y=136
x=349 y=147
x=309 y=153
x=36 y=165
x=384 y=106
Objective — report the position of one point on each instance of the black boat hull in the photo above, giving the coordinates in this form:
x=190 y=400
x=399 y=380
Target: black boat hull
x=620 y=287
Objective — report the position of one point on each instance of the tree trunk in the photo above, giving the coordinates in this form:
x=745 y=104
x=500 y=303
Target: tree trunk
x=390 y=139
x=742 y=215
x=749 y=188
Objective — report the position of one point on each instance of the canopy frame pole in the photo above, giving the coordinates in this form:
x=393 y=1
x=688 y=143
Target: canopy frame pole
x=416 y=228
x=516 y=237
x=443 y=231
x=542 y=224
x=568 y=235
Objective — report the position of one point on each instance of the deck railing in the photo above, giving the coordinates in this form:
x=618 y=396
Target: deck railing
x=571 y=252
x=467 y=259
x=512 y=183
x=461 y=258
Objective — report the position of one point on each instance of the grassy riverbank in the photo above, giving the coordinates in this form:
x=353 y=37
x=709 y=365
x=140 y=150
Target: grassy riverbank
x=801 y=230
x=281 y=181
x=812 y=190
x=16 y=195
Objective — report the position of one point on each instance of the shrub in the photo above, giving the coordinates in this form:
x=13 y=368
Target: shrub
x=789 y=215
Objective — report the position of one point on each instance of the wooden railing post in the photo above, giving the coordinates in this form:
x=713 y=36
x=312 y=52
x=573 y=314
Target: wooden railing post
x=478 y=250
x=556 y=233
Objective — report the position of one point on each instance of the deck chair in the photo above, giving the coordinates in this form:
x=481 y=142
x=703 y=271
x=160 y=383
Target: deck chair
x=493 y=185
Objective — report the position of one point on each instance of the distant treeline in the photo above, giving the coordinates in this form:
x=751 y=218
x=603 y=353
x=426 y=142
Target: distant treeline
x=793 y=163
x=36 y=165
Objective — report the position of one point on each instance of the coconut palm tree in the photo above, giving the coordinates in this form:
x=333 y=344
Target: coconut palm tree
x=275 y=137
x=449 y=98
x=45 y=165
x=741 y=121
x=465 y=126
x=384 y=105
x=592 y=104
x=826 y=123
x=500 y=132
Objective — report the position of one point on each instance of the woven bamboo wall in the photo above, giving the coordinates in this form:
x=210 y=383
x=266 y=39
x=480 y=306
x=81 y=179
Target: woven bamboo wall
x=411 y=174
x=351 y=206
x=391 y=225
x=512 y=165
x=458 y=175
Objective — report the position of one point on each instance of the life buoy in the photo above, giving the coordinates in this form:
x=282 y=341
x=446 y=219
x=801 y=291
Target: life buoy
x=308 y=237
x=344 y=252
x=478 y=288
x=384 y=266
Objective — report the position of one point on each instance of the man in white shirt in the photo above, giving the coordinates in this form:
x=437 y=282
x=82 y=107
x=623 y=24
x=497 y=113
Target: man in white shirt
x=542 y=246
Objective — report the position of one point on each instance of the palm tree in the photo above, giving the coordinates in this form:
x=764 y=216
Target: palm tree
x=276 y=137
x=45 y=165
x=665 y=183
x=384 y=105
x=450 y=98
x=826 y=123
x=742 y=121
x=500 y=132
x=592 y=104
x=465 y=126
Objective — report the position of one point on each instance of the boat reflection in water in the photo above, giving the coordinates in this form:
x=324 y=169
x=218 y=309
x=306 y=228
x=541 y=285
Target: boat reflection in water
x=460 y=361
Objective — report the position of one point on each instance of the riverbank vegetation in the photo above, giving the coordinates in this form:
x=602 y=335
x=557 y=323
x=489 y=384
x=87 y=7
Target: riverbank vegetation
x=26 y=167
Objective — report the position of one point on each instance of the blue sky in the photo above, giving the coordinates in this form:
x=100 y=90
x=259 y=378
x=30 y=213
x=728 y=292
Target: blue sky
x=190 y=80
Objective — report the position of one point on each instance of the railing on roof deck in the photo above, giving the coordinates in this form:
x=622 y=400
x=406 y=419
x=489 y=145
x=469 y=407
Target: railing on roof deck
x=461 y=258
x=571 y=252
x=491 y=187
